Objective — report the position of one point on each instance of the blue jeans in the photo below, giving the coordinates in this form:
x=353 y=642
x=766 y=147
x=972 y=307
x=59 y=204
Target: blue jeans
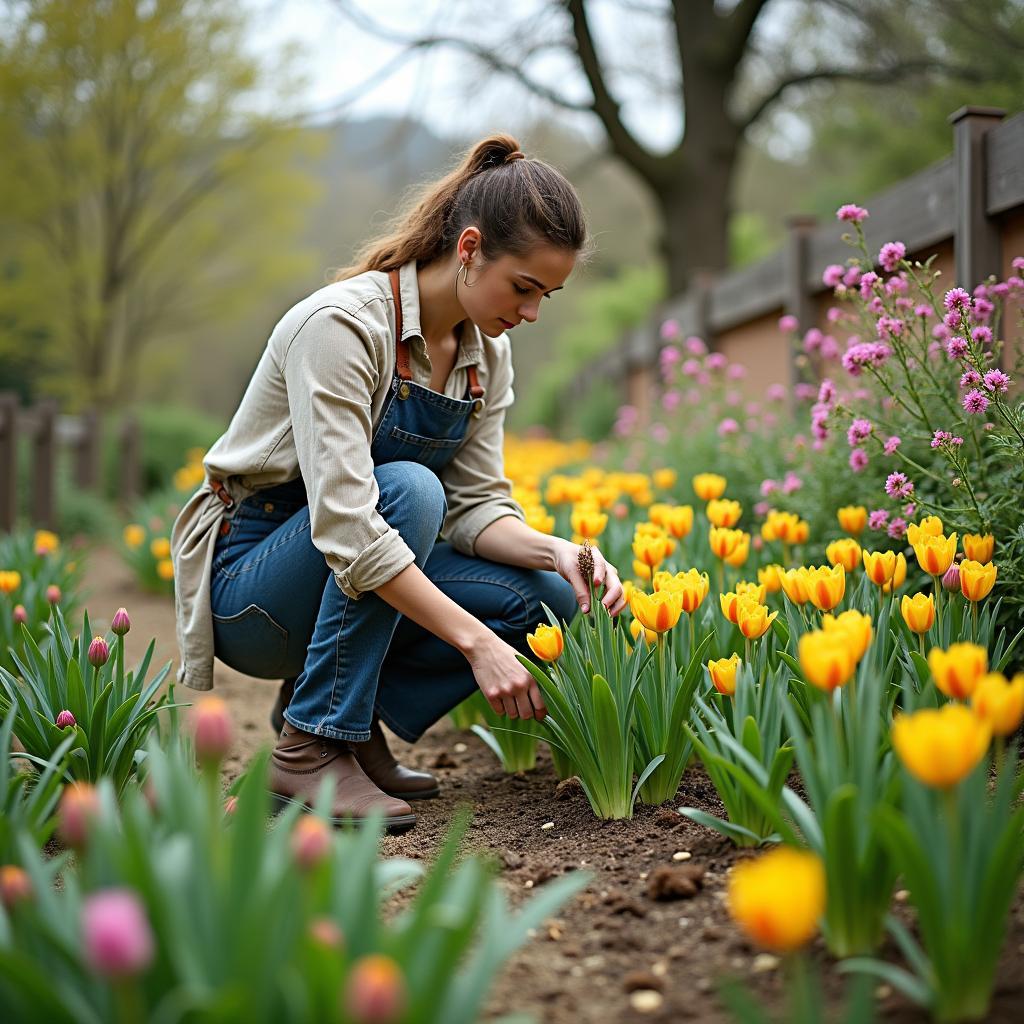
x=277 y=611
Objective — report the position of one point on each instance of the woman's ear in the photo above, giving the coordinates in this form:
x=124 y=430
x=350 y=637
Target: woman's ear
x=469 y=244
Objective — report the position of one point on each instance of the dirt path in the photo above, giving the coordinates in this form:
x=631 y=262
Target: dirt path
x=615 y=937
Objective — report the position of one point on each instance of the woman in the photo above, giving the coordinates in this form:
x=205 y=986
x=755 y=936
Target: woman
x=372 y=424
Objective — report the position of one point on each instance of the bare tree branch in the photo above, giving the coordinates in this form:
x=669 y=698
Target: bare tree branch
x=741 y=24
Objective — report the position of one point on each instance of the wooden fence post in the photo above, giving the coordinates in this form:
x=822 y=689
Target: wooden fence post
x=44 y=465
x=87 y=450
x=8 y=460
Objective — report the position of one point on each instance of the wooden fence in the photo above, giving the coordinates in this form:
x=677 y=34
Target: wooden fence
x=968 y=209
x=47 y=432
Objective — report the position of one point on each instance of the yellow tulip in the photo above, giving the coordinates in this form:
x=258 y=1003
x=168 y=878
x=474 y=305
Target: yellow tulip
x=899 y=575
x=770 y=577
x=778 y=898
x=827 y=658
x=976 y=580
x=941 y=746
x=801 y=532
x=10 y=580
x=879 y=566
x=657 y=513
x=729 y=604
x=724 y=512
x=935 y=554
x=758 y=591
x=794 y=584
x=708 y=486
x=784 y=526
x=642 y=498
x=679 y=520
x=540 y=520
x=691 y=586
x=45 y=542
x=957 y=671
x=844 y=552
x=826 y=586
x=930 y=526
x=588 y=521
x=740 y=553
x=165 y=569
x=664 y=479
x=753 y=618
x=853 y=519
x=723 y=674
x=659 y=611
x=918 y=612
x=641 y=570
x=160 y=547
x=651 y=550
x=636 y=627
x=857 y=627
x=999 y=702
x=546 y=642
x=724 y=541
x=133 y=535
x=979 y=547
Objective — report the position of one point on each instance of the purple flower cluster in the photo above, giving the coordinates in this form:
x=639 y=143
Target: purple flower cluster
x=878 y=519
x=898 y=486
x=858 y=460
x=891 y=326
x=996 y=380
x=970 y=379
x=867 y=284
x=788 y=323
x=851 y=213
x=982 y=335
x=890 y=255
x=833 y=275
x=891 y=444
x=975 y=402
x=956 y=299
x=956 y=347
x=897 y=528
x=944 y=437
x=865 y=353
x=859 y=432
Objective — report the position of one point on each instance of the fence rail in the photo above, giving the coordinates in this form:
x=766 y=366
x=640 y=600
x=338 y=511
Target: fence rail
x=46 y=432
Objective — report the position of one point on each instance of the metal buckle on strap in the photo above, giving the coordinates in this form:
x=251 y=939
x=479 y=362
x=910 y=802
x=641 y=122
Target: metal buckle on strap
x=403 y=390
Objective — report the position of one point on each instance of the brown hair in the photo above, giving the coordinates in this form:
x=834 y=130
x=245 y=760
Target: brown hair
x=516 y=201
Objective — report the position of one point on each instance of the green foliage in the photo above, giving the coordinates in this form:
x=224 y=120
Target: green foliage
x=145 y=541
x=512 y=740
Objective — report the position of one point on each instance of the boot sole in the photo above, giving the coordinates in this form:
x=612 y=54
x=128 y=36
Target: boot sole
x=423 y=794
x=393 y=826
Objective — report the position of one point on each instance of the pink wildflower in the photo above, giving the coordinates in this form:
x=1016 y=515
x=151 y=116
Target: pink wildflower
x=891 y=444
x=695 y=346
x=851 y=213
x=812 y=340
x=975 y=402
x=858 y=460
x=670 y=400
x=956 y=347
x=735 y=371
x=982 y=335
x=670 y=329
x=788 y=323
x=890 y=255
x=898 y=486
x=833 y=275
x=970 y=379
x=834 y=314
x=776 y=393
x=727 y=427
x=878 y=519
x=982 y=309
x=996 y=380
x=867 y=284
x=897 y=528
x=956 y=299
x=117 y=936
x=922 y=311
x=859 y=432
x=717 y=361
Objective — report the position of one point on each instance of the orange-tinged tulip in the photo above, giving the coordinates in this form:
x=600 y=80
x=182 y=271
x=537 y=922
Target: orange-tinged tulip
x=540 y=520
x=546 y=642
x=844 y=552
x=133 y=535
x=935 y=554
x=165 y=569
x=999 y=702
x=651 y=551
x=588 y=521
x=160 y=547
x=659 y=611
x=856 y=625
x=801 y=532
x=957 y=671
x=212 y=729
x=976 y=580
x=930 y=526
x=657 y=513
x=724 y=512
x=941 y=746
x=691 y=586
x=15 y=886
x=375 y=991
x=899 y=576
x=10 y=580
x=708 y=486
x=826 y=586
x=664 y=479
x=827 y=658
x=784 y=526
x=880 y=566
x=778 y=898
x=724 y=541
x=979 y=547
x=753 y=618
x=723 y=674
x=853 y=519
x=729 y=603
x=636 y=627
x=45 y=542
x=755 y=590
x=740 y=553
x=770 y=577
x=918 y=612
x=641 y=570
x=794 y=584
x=679 y=520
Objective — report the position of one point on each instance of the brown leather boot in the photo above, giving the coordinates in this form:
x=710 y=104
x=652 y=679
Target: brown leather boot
x=380 y=765
x=302 y=760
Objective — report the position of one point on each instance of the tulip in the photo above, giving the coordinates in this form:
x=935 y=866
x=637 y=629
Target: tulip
x=375 y=992
x=708 y=486
x=935 y=554
x=801 y=532
x=723 y=674
x=99 y=652
x=976 y=580
x=853 y=519
x=18 y=614
x=165 y=569
x=724 y=512
x=659 y=611
x=770 y=577
x=783 y=526
x=546 y=642
x=755 y=590
x=691 y=586
x=651 y=551
x=79 y=808
x=636 y=627
x=951 y=581
x=999 y=703
x=15 y=886
x=729 y=602
x=979 y=547
x=939 y=747
x=879 y=566
x=10 y=580
x=930 y=526
x=827 y=658
x=844 y=552
x=777 y=898
x=588 y=522
x=857 y=627
x=325 y=932
x=53 y=594
x=826 y=586
x=538 y=519
x=65 y=720
x=679 y=520
x=753 y=618
x=724 y=541
x=740 y=553
x=641 y=570
x=918 y=612
x=657 y=513
x=45 y=542
x=121 y=624
x=310 y=841
x=133 y=535
x=211 y=729
x=899 y=575
x=957 y=671
x=794 y=584
x=117 y=936
x=160 y=547
x=664 y=479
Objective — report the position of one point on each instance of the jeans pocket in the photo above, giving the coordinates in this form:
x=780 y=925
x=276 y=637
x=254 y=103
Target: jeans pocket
x=251 y=642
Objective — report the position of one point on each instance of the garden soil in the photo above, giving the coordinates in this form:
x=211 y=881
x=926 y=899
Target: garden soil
x=649 y=937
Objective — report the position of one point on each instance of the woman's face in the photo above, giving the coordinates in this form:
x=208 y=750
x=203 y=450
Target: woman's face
x=504 y=292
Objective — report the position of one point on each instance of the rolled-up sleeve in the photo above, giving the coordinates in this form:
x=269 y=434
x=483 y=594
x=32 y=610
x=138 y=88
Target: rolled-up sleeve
x=331 y=368
x=474 y=481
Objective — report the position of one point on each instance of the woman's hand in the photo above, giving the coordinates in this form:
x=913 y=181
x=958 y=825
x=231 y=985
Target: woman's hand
x=507 y=685
x=567 y=566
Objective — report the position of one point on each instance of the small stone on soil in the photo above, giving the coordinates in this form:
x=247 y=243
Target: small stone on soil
x=681 y=855
x=646 y=1000
x=547 y=826
x=675 y=883
x=764 y=962
x=460 y=748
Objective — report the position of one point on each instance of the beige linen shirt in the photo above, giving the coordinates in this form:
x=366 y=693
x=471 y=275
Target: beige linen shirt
x=311 y=408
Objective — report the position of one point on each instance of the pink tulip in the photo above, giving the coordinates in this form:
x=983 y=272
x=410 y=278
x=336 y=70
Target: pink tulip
x=118 y=938
x=15 y=886
x=19 y=614
x=121 y=623
x=951 y=581
x=53 y=594
x=79 y=808
x=310 y=842
x=211 y=729
x=99 y=652
x=375 y=993
x=324 y=932
x=65 y=720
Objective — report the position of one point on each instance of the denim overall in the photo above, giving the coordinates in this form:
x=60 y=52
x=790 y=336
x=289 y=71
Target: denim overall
x=278 y=613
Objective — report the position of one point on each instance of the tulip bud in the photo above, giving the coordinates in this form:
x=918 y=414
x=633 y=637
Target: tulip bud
x=121 y=623
x=211 y=729
x=310 y=842
x=99 y=652
x=951 y=580
x=53 y=594
x=325 y=932
x=118 y=938
x=19 y=614
x=15 y=886
x=79 y=808
x=375 y=992
x=65 y=720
